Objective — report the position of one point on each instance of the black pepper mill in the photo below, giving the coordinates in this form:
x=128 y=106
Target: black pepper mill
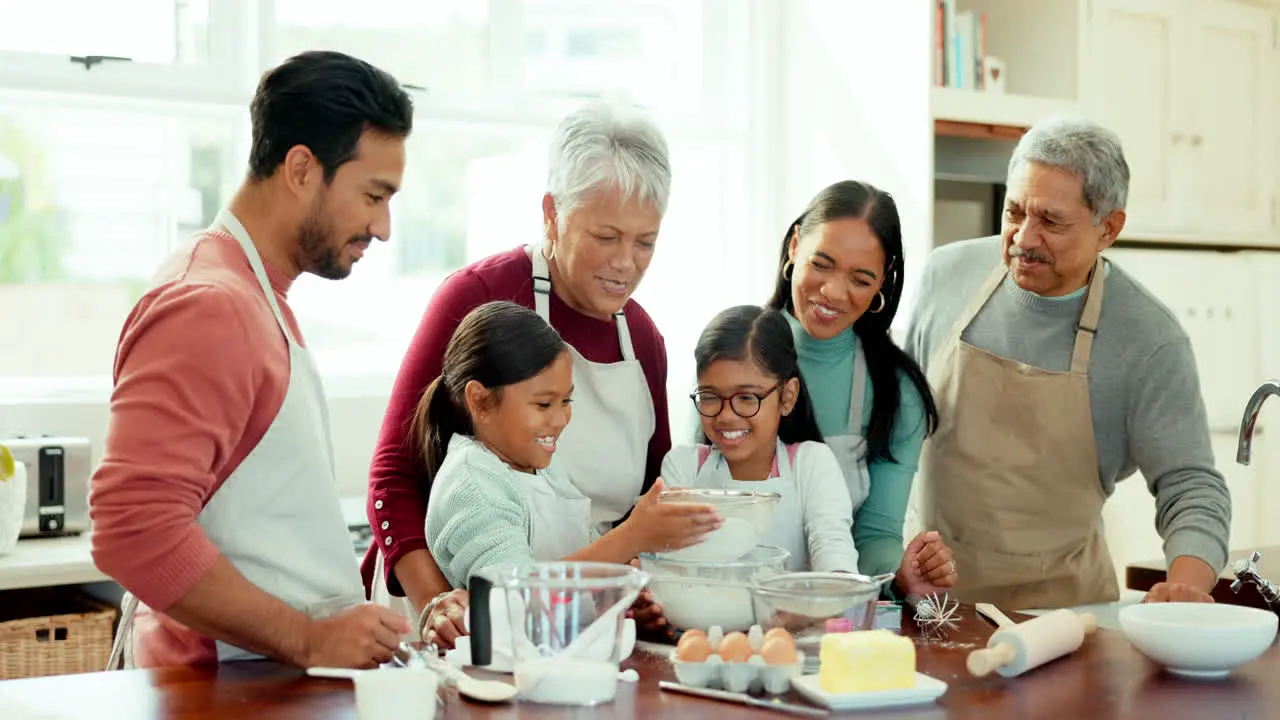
x=1246 y=571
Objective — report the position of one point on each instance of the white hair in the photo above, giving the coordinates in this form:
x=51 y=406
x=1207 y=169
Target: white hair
x=1084 y=149
x=605 y=145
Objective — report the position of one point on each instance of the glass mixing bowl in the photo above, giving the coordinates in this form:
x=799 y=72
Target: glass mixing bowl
x=701 y=594
x=804 y=602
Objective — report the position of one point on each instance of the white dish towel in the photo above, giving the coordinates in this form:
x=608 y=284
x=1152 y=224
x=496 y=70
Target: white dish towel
x=502 y=657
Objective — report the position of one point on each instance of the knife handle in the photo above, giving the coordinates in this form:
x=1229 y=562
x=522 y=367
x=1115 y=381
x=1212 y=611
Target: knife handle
x=992 y=613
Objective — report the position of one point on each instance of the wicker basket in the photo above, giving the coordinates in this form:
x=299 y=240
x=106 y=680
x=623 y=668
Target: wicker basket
x=53 y=631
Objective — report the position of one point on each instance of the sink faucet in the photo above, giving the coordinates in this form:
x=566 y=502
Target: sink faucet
x=1246 y=572
x=1245 y=448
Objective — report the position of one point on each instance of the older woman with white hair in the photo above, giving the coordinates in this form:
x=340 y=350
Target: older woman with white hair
x=607 y=190
x=1056 y=375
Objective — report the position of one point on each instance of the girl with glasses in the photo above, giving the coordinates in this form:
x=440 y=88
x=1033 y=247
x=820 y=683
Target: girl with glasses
x=759 y=433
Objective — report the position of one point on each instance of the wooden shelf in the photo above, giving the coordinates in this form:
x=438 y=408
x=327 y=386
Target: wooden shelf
x=995 y=109
x=976 y=131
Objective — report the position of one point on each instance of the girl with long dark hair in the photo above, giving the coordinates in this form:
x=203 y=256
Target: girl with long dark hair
x=759 y=433
x=488 y=429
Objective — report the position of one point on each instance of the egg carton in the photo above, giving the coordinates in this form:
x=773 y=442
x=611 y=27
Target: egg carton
x=754 y=675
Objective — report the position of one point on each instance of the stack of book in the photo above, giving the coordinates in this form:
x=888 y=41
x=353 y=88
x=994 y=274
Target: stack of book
x=960 y=50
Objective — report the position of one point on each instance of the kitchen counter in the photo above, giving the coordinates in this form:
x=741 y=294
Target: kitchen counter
x=1105 y=678
x=52 y=561
x=1143 y=575
x=46 y=562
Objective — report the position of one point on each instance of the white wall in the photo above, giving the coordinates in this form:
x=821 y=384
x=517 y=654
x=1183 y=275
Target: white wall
x=855 y=101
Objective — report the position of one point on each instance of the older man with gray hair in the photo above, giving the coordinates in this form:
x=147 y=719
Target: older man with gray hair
x=1048 y=394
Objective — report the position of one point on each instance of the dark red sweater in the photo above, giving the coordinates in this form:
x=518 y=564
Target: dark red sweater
x=397 y=472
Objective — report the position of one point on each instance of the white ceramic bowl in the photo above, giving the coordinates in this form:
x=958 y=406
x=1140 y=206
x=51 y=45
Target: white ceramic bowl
x=747 y=515
x=1206 y=640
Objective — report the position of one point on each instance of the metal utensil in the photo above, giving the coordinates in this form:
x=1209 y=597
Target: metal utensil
x=743 y=699
x=490 y=691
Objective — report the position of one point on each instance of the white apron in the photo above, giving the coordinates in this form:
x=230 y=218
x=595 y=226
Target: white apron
x=380 y=595
x=558 y=525
x=851 y=448
x=605 y=448
x=277 y=518
x=787 y=526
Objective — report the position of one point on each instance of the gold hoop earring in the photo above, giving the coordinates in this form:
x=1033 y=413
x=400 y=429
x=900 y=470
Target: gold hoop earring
x=882 y=302
x=788 y=265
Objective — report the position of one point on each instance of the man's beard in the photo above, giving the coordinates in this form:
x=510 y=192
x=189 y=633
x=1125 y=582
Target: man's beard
x=319 y=256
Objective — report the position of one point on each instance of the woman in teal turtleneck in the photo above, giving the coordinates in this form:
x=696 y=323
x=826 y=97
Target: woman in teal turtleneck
x=839 y=283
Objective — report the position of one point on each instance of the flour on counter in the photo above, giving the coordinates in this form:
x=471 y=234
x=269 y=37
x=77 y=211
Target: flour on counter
x=560 y=681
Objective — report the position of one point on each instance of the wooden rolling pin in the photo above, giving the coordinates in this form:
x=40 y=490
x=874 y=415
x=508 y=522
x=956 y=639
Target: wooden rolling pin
x=1015 y=648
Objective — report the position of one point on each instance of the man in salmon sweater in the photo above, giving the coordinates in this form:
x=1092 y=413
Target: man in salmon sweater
x=215 y=505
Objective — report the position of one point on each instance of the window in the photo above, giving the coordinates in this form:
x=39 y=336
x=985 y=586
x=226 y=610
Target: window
x=629 y=49
x=468 y=192
x=145 y=31
x=162 y=50
x=442 y=45
x=703 y=251
x=91 y=199
x=105 y=170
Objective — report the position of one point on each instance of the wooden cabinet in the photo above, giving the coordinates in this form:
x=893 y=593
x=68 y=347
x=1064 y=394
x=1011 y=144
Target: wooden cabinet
x=1191 y=88
x=1231 y=113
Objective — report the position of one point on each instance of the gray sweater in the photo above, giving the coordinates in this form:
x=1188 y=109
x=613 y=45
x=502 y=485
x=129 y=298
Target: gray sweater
x=1148 y=414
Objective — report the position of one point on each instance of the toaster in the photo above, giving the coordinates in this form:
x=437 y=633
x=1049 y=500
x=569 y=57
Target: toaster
x=58 y=472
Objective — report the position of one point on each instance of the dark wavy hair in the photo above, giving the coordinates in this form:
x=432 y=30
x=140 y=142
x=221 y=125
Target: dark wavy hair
x=853 y=199
x=323 y=100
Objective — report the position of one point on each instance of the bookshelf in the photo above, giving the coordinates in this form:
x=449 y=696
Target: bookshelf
x=1035 y=46
x=997 y=67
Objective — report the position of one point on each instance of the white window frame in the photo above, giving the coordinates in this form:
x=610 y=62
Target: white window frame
x=241 y=48
x=226 y=78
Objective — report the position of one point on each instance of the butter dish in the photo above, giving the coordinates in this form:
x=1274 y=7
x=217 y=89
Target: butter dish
x=927 y=689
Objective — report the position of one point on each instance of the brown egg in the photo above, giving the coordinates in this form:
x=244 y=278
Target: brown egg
x=778 y=651
x=693 y=648
x=689 y=635
x=781 y=634
x=735 y=647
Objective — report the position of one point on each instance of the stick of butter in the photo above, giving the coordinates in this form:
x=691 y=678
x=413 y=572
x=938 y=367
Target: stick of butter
x=866 y=661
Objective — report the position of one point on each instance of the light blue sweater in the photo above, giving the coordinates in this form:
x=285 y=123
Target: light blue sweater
x=477 y=517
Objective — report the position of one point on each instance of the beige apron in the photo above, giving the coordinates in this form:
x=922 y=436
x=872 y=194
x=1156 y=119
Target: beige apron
x=1010 y=479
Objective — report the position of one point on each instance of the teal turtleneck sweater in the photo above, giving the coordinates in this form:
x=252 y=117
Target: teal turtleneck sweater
x=827 y=369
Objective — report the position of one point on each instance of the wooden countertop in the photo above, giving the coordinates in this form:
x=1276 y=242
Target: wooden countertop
x=1143 y=575
x=1106 y=678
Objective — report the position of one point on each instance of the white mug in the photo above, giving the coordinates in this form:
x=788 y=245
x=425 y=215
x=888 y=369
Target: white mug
x=396 y=692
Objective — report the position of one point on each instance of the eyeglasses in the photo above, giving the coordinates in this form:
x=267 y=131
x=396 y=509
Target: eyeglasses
x=743 y=404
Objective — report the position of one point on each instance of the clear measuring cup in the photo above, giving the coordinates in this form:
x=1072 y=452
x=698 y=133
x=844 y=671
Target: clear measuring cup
x=563 y=622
